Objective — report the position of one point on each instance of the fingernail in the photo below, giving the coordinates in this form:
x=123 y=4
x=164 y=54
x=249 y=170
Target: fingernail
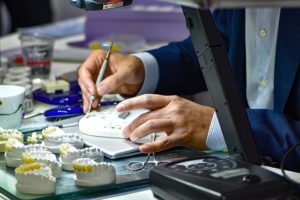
x=126 y=132
x=133 y=138
x=95 y=104
x=102 y=89
x=144 y=148
x=120 y=107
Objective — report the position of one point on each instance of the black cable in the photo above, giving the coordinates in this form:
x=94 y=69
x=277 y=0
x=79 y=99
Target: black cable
x=283 y=162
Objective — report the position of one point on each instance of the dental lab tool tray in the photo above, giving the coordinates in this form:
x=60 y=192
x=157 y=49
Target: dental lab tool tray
x=214 y=177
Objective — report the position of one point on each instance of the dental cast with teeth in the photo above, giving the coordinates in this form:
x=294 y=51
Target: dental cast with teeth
x=52 y=130
x=6 y=134
x=68 y=153
x=54 y=141
x=91 y=173
x=36 y=165
x=35 y=178
x=44 y=157
x=14 y=150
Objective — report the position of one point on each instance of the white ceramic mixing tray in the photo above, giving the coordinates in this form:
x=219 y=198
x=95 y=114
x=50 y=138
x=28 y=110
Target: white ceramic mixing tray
x=107 y=122
x=104 y=130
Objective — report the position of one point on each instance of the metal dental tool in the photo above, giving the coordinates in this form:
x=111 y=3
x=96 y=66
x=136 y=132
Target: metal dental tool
x=139 y=165
x=101 y=73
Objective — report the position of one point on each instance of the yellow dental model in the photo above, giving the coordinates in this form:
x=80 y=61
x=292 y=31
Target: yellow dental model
x=35 y=178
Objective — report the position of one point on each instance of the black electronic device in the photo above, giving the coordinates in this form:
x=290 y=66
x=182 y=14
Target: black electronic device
x=92 y=5
x=239 y=175
x=214 y=177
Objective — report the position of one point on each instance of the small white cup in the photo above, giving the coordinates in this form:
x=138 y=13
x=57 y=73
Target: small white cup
x=11 y=105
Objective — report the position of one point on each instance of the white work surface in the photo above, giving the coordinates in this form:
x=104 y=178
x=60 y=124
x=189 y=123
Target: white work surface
x=58 y=68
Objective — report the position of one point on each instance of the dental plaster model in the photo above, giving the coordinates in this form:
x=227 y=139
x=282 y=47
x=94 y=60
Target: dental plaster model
x=34 y=138
x=69 y=153
x=35 y=178
x=90 y=173
x=6 y=134
x=13 y=152
x=45 y=157
x=54 y=141
x=52 y=130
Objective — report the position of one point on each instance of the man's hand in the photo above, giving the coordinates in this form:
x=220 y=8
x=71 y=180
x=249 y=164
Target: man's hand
x=125 y=74
x=186 y=123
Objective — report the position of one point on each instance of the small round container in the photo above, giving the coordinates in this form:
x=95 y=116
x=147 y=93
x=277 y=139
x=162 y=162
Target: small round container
x=37 y=50
x=19 y=71
x=21 y=81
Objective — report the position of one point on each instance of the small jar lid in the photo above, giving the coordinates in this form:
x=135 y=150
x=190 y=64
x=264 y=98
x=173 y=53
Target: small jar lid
x=19 y=70
x=18 y=76
x=21 y=81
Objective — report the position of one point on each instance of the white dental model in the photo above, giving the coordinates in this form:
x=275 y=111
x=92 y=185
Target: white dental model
x=52 y=130
x=90 y=173
x=6 y=134
x=13 y=152
x=54 y=141
x=45 y=157
x=69 y=153
x=35 y=178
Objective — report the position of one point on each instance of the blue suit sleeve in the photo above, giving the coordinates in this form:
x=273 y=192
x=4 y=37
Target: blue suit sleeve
x=179 y=70
x=274 y=134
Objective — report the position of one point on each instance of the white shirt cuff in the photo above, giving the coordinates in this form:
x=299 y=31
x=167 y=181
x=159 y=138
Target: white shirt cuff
x=215 y=140
x=151 y=72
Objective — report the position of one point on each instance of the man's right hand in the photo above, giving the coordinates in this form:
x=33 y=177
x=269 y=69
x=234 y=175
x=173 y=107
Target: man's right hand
x=125 y=74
